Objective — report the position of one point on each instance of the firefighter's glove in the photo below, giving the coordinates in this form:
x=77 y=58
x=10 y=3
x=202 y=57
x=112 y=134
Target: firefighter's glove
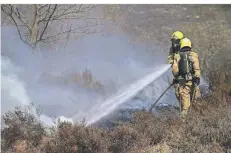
x=196 y=80
x=175 y=81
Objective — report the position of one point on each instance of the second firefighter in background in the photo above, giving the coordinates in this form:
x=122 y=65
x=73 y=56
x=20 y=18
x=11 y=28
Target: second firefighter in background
x=174 y=49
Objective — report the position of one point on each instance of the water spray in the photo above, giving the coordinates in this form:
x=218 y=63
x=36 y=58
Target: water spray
x=123 y=95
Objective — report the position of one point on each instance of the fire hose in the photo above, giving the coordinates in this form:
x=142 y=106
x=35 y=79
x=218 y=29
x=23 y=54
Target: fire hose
x=153 y=105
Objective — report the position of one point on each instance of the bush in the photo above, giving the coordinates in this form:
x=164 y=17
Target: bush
x=77 y=138
x=207 y=129
x=125 y=137
x=152 y=127
x=22 y=129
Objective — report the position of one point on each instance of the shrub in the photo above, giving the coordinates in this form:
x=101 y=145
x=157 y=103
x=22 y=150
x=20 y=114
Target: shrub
x=152 y=127
x=71 y=138
x=208 y=131
x=125 y=137
x=22 y=129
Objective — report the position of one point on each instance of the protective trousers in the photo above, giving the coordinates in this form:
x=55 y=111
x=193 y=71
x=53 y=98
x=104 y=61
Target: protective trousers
x=184 y=95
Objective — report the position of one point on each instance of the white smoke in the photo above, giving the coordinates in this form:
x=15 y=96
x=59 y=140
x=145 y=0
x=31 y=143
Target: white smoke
x=24 y=74
x=13 y=90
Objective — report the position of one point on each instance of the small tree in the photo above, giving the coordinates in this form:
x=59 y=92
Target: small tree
x=49 y=23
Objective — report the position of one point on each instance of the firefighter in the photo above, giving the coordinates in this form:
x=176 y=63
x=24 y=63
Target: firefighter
x=186 y=71
x=175 y=39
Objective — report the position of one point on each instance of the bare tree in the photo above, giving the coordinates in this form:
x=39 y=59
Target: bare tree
x=48 y=23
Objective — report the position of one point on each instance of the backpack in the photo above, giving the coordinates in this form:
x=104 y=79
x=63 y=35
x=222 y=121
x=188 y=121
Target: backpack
x=185 y=66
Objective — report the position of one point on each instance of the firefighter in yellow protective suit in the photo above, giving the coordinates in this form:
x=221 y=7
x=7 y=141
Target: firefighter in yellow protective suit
x=186 y=70
x=174 y=49
x=175 y=39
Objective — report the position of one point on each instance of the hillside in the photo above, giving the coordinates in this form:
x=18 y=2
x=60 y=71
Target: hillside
x=91 y=69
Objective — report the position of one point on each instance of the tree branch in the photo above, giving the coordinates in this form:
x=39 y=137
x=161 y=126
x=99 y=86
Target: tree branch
x=67 y=31
x=43 y=6
x=10 y=15
x=40 y=25
x=47 y=11
x=65 y=13
x=18 y=15
x=44 y=29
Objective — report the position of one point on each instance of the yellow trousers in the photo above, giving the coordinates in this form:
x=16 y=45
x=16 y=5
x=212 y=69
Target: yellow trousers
x=183 y=94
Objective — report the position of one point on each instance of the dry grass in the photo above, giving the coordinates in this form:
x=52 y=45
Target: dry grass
x=207 y=129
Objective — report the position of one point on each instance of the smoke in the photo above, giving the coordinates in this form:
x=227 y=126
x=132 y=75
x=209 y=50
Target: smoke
x=13 y=89
x=38 y=76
